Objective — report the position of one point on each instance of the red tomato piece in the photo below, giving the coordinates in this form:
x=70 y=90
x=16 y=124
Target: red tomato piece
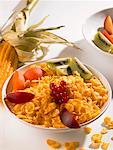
x=106 y=34
x=18 y=81
x=33 y=73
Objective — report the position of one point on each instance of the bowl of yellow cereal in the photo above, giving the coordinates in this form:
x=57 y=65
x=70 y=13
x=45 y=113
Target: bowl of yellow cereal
x=56 y=95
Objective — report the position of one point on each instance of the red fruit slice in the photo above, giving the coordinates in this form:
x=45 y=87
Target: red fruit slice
x=108 y=25
x=111 y=36
x=19 y=97
x=33 y=73
x=69 y=119
x=44 y=72
x=18 y=81
x=106 y=34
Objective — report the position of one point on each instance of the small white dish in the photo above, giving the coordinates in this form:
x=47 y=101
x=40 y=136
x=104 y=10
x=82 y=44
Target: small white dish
x=92 y=24
x=7 y=87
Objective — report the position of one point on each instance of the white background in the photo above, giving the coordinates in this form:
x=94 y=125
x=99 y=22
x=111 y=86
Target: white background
x=17 y=136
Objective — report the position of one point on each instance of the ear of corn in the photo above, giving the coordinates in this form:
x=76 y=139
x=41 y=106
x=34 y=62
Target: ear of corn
x=8 y=62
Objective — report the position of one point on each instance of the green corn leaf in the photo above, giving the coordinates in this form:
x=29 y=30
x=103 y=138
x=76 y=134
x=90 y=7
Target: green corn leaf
x=36 y=32
x=27 y=44
x=49 y=38
x=38 y=24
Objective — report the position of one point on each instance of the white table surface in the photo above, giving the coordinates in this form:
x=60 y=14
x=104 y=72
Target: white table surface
x=17 y=136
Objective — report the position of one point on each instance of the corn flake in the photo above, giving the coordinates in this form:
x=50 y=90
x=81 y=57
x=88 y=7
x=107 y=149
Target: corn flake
x=71 y=145
x=87 y=130
x=96 y=138
x=53 y=143
x=104 y=131
x=94 y=145
x=104 y=145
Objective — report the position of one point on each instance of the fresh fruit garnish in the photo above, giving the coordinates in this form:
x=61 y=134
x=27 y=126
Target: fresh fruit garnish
x=66 y=66
x=108 y=25
x=59 y=93
x=102 y=42
x=33 y=73
x=19 y=97
x=106 y=34
x=76 y=65
x=18 y=81
x=69 y=119
x=104 y=37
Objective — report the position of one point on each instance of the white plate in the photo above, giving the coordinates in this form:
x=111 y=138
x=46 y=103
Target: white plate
x=7 y=88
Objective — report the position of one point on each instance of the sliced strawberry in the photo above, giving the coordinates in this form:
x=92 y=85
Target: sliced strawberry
x=33 y=73
x=69 y=119
x=19 y=97
x=18 y=81
x=108 y=25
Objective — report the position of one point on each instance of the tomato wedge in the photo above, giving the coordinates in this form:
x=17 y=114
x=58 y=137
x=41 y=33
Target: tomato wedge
x=33 y=73
x=18 y=81
x=106 y=34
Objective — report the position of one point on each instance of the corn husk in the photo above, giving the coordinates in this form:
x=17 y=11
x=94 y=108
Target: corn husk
x=28 y=42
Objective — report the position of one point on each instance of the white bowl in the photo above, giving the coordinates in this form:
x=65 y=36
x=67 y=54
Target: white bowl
x=6 y=88
x=89 y=30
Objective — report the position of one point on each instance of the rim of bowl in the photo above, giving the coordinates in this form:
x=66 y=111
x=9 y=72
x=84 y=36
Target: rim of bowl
x=85 y=36
x=51 y=128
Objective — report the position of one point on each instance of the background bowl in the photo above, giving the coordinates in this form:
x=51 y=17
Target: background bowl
x=7 y=88
x=89 y=30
